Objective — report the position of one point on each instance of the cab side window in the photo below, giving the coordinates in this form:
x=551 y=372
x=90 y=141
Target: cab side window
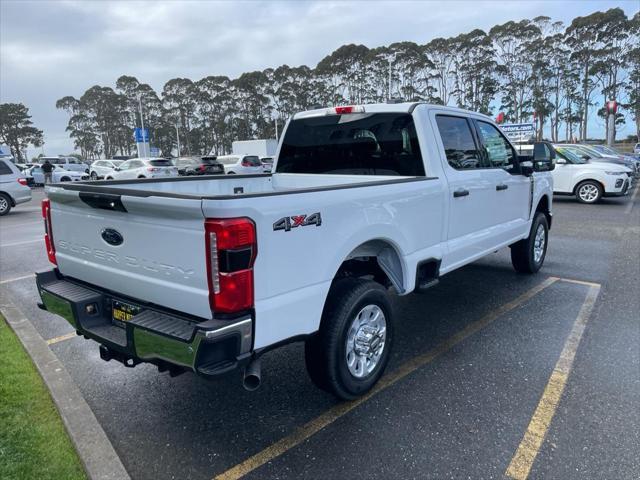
x=459 y=144
x=499 y=152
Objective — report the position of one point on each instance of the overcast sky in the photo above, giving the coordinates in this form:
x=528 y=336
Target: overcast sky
x=50 y=49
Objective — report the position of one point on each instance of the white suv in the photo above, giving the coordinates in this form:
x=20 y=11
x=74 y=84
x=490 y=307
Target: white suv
x=102 y=168
x=588 y=181
x=68 y=163
x=241 y=164
x=143 y=168
x=13 y=186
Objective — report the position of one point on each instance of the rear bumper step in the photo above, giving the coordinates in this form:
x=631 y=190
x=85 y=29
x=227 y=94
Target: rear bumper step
x=153 y=335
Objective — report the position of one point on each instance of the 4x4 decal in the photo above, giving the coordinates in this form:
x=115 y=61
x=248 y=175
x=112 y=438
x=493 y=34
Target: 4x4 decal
x=287 y=223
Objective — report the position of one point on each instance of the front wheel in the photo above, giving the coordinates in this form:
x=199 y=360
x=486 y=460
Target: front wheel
x=527 y=255
x=65 y=179
x=589 y=191
x=94 y=176
x=5 y=204
x=349 y=353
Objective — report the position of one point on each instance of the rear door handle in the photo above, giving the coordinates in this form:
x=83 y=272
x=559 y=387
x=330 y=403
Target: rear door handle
x=502 y=186
x=461 y=192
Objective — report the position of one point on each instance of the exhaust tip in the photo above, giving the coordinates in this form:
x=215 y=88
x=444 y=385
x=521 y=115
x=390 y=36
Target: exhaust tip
x=252 y=378
x=251 y=382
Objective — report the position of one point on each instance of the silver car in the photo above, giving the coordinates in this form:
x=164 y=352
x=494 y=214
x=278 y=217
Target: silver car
x=13 y=186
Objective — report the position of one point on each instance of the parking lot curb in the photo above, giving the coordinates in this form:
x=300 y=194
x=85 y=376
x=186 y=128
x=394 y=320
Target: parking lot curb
x=100 y=460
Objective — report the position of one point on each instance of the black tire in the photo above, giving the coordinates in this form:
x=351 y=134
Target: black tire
x=109 y=178
x=94 y=176
x=5 y=204
x=65 y=179
x=589 y=192
x=231 y=173
x=523 y=253
x=325 y=352
x=141 y=176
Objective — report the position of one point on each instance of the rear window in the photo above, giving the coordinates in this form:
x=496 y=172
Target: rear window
x=161 y=163
x=209 y=161
x=352 y=144
x=252 y=160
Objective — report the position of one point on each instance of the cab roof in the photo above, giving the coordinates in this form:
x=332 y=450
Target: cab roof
x=404 y=107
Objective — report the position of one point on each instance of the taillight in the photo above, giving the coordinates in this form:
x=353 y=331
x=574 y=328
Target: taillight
x=348 y=109
x=231 y=250
x=202 y=168
x=22 y=181
x=246 y=163
x=152 y=169
x=48 y=233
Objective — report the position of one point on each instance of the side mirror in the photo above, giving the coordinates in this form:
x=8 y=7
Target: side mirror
x=561 y=161
x=543 y=156
x=586 y=157
x=117 y=169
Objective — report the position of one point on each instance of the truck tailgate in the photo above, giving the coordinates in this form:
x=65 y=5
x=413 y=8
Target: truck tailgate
x=149 y=248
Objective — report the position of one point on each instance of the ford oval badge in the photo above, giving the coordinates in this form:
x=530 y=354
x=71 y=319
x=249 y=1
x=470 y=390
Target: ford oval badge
x=112 y=237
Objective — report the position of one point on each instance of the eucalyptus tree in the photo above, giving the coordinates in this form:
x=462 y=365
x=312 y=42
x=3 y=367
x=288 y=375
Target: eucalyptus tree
x=17 y=130
x=512 y=46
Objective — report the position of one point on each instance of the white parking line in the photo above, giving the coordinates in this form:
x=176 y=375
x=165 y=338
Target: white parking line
x=15 y=244
x=2 y=282
x=36 y=222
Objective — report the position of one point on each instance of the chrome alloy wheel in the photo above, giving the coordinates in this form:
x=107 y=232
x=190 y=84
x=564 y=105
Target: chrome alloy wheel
x=588 y=193
x=365 y=341
x=539 y=243
x=4 y=204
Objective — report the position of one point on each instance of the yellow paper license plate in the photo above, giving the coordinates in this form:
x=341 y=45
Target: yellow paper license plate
x=123 y=312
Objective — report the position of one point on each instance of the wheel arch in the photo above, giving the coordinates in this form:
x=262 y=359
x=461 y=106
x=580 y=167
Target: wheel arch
x=378 y=258
x=12 y=202
x=544 y=206
x=580 y=182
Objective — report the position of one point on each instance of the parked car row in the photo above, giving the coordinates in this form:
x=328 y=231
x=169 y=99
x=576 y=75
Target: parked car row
x=589 y=180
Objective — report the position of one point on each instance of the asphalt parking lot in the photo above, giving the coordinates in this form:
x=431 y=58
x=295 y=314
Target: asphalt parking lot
x=469 y=391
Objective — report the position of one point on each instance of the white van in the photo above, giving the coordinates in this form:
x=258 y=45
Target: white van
x=241 y=164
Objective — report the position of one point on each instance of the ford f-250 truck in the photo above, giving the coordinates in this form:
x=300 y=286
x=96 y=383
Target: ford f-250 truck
x=206 y=274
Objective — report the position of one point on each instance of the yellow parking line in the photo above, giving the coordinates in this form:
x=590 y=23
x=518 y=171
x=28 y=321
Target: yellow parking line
x=581 y=282
x=529 y=447
x=61 y=338
x=314 y=426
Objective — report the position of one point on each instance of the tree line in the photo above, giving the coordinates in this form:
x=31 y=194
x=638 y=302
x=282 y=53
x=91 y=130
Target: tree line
x=530 y=69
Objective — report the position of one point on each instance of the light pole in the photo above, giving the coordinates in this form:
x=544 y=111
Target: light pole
x=391 y=59
x=276 y=122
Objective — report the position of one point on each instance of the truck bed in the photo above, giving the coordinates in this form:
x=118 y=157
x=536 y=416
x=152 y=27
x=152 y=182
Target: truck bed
x=162 y=223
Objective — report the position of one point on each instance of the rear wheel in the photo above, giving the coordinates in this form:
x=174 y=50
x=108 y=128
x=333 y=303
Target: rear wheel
x=349 y=353
x=141 y=176
x=65 y=179
x=589 y=191
x=5 y=204
x=109 y=178
x=527 y=255
x=231 y=173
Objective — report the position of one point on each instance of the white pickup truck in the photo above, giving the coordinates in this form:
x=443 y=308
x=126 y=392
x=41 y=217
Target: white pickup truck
x=205 y=274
